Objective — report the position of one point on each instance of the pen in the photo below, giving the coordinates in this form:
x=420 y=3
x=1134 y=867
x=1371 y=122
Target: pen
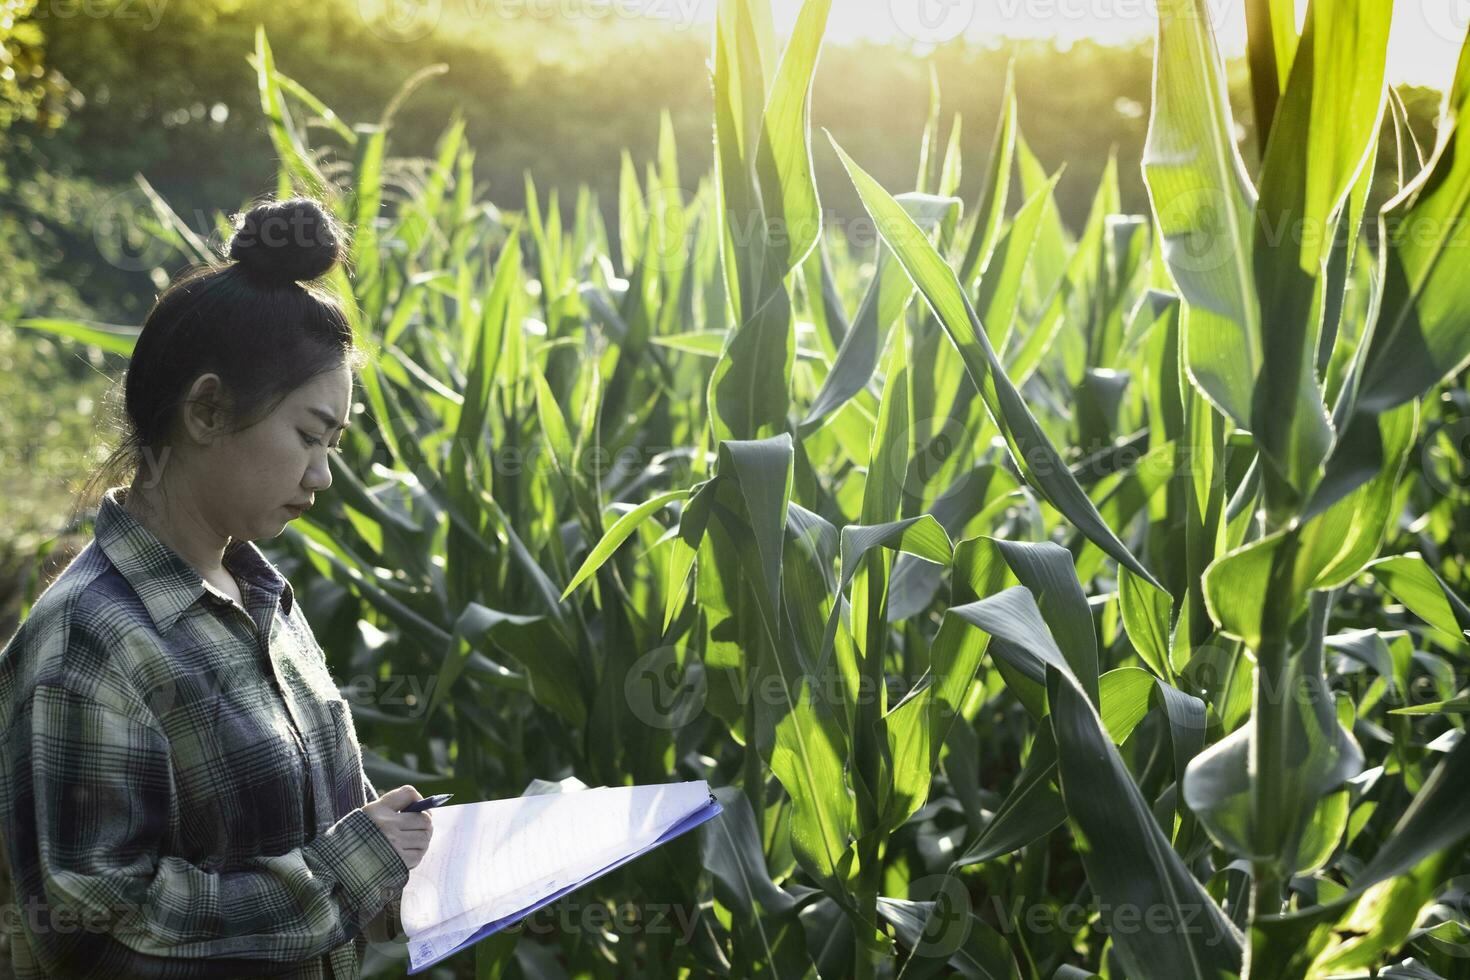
x=427 y=802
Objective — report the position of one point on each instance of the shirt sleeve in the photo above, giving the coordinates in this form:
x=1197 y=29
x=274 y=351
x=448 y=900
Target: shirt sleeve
x=387 y=925
x=92 y=806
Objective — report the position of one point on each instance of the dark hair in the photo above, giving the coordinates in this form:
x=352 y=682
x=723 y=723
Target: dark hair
x=257 y=322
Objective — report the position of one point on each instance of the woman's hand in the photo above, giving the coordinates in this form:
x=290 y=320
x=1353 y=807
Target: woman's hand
x=408 y=832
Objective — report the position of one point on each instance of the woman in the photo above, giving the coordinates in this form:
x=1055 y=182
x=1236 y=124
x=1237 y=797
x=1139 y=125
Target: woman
x=182 y=791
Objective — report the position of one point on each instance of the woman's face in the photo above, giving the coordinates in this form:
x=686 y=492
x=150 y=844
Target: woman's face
x=253 y=477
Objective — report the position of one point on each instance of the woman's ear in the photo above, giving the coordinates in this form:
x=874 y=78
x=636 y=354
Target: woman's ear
x=204 y=415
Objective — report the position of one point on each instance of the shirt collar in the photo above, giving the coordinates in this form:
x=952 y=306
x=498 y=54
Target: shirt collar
x=166 y=584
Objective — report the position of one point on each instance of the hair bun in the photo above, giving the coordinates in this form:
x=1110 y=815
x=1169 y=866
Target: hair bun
x=287 y=241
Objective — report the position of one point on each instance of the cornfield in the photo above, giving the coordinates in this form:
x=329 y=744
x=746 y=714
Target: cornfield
x=1043 y=604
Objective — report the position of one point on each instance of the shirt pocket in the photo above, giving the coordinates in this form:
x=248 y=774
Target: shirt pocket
x=241 y=777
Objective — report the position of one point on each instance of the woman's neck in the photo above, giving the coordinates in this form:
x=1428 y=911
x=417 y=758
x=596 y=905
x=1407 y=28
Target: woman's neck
x=174 y=519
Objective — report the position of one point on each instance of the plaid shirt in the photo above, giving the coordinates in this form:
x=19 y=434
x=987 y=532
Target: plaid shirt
x=180 y=780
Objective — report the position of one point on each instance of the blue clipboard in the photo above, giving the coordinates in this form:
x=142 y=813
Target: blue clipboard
x=707 y=812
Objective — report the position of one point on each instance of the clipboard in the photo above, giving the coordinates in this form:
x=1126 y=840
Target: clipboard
x=435 y=945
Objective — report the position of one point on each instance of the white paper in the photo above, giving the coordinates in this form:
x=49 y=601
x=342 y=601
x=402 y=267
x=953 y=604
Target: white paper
x=490 y=860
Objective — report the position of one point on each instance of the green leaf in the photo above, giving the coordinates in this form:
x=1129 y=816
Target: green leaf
x=912 y=749
x=1419 y=587
x=1000 y=286
x=1203 y=201
x=730 y=848
x=110 y=337
x=1307 y=751
x=1047 y=570
x=990 y=207
x=1032 y=809
x=1034 y=454
x=1459 y=705
x=705 y=343
x=632 y=214
x=296 y=165
x=1418 y=339
x=1325 y=133
x=1146 y=610
x=783 y=157
x=1271 y=47
x=475 y=627
x=947 y=927
x=922 y=536
x=1079 y=280
x=809 y=758
x=367 y=198
x=1437 y=821
x=1340 y=542
x=762 y=470
x=888 y=295
x=1325 y=551
x=918 y=726
x=891 y=445
x=1129 y=861
x=324 y=114
x=750 y=388
x=772 y=216
x=620 y=531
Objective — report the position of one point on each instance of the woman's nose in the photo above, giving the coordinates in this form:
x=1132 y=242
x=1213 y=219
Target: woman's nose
x=318 y=476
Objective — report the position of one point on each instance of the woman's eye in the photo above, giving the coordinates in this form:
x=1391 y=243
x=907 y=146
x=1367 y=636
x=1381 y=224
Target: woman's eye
x=335 y=447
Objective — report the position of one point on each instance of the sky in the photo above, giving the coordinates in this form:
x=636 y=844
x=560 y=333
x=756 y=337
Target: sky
x=1423 y=44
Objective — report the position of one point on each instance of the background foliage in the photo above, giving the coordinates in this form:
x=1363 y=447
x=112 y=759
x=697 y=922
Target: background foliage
x=1068 y=585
